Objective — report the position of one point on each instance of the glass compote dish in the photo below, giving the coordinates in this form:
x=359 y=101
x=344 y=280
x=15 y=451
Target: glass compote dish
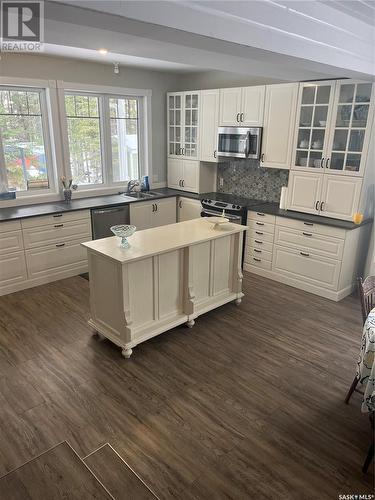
x=123 y=231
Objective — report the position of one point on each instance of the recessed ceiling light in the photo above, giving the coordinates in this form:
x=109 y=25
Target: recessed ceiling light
x=103 y=51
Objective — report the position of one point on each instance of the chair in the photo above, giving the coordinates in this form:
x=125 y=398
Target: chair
x=366 y=290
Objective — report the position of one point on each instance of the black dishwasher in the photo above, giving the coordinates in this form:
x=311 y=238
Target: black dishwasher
x=103 y=218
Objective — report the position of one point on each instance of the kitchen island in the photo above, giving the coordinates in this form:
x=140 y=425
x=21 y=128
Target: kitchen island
x=169 y=276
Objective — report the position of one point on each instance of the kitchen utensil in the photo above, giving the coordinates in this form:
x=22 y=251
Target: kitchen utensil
x=123 y=231
x=283 y=197
x=216 y=221
x=303 y=161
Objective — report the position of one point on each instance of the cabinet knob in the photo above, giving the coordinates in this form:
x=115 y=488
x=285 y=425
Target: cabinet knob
x=262 y=157
x=317 y=205
x=305 y=254
x=241 y=117
x=238 y=117
x=321 y=206
x=215 y=153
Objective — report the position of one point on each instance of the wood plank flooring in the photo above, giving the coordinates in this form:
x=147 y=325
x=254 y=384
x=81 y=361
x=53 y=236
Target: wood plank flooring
x=247 y=404
x=57 y=474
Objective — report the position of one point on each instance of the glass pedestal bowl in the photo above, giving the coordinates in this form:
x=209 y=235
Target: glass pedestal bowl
x=123 y=231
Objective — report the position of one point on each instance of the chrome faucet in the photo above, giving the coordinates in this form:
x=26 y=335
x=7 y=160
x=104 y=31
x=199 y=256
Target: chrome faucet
x=132 y=185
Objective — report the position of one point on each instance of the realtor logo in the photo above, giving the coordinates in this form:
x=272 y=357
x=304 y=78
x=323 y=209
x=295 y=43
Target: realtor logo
x=22 y=26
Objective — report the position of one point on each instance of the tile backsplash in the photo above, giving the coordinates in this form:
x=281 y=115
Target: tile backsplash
x=247 y=178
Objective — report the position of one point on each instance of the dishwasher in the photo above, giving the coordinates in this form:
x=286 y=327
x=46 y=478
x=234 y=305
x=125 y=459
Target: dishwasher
x=103 y=218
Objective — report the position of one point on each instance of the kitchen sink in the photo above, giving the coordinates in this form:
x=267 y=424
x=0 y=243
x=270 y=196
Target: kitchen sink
x=142 y=195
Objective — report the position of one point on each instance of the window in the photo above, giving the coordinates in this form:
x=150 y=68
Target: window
x=24 y=155
x=103 y=138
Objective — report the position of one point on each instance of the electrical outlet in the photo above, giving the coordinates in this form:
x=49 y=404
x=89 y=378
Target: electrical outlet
x=221 y=182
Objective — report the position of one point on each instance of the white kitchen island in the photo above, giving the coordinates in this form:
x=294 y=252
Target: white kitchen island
x=170 y=275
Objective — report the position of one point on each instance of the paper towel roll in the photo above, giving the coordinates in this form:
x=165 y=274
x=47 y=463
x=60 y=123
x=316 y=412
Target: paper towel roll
x=283 y=197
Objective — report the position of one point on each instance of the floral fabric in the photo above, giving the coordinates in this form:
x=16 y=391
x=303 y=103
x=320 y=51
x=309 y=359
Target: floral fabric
x=366 y=364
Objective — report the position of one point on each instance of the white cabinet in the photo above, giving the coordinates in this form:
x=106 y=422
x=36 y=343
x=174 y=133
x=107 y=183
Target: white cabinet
x=175 y=173
x=340 y=196
x=12 y=269
x=209 y=124
x=192 y=176
x=188 y=209
x=183 y=124
x=242 y=106
x=304 y=190
x=153 y=213
x=279 y=121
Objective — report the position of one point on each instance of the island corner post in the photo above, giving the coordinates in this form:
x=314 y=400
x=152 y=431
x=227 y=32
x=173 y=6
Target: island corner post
x=170 y=275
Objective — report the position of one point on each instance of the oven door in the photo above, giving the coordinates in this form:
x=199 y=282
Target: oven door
x=236 y=219
x=239 y=142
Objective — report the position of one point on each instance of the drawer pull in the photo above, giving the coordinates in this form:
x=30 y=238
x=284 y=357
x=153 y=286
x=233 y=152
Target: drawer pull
x=259 y=223
x=259 y=242
x=257 y=260
x=307 y=234
x=60 y=245
x=308 y=223
x=259 y=213
x=258 y=232
x=58 y=225
x=257 y=250
x=57 y=215
x=305 y=254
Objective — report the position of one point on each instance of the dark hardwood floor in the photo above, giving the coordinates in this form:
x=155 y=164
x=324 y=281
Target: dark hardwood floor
x=247 y=404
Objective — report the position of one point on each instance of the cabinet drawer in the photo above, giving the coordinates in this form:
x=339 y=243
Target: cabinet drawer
x=57 y=233
x=259 y=225
x=11 y=242
x=55 y=259
x=257 y=253
x=12 y=268
x=311 y=227
x=260 y=216
x=259 y=243
x=57 y=218
x=309 y=241
x=259 y=235
x=12 y=225
x=306 y=266
x=258 y=262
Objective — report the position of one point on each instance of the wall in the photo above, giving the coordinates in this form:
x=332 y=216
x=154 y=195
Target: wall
x=220 y=79
x=74 y=70
x=247 y=178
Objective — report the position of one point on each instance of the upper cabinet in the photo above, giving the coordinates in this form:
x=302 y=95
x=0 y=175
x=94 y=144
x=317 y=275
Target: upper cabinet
x=242 y=106
x=209 y=124
x=333 y=127
x=279 y=121
x=183 y=124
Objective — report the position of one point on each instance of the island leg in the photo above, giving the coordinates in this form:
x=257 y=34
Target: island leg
x=238 y=301
x=190 y=323
x=99 y=335
x=126 y=352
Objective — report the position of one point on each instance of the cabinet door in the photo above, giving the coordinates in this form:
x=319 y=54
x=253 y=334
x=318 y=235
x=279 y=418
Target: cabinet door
x=209 y=125
x=230 y=106
x=304 y=192
x=175 y=173
x=340 y=196
x=314 y=111
x=141 y=215
x=188 y=209
x=351 y=128
x=191 y=124
x=165 y=212
x=279 y=120
x=12 y=269
x=252 y=106
x=175 y=123
x=190 y=179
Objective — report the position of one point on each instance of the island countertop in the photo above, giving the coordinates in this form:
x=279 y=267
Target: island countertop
x=162 y=239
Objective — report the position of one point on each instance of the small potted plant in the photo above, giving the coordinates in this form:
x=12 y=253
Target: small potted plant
x=67 y=188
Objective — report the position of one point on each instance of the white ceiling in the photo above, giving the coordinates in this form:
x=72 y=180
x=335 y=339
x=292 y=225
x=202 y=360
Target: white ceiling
x=281 y=39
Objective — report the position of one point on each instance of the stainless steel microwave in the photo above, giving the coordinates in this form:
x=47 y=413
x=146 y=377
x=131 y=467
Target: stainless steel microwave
x=239 y=142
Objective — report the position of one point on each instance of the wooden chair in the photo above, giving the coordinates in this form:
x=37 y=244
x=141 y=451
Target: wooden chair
x=366 y=290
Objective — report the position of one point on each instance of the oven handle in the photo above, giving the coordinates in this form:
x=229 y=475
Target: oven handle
x=218 y=214
x=247 y=144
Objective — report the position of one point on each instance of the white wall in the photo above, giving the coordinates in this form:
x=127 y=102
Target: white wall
x=74 y=70
x=220 y=79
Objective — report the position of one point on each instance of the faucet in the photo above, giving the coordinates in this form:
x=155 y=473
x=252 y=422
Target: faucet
x=131 y=185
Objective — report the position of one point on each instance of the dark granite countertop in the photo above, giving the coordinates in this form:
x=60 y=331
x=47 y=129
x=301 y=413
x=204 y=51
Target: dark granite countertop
x=273 y=209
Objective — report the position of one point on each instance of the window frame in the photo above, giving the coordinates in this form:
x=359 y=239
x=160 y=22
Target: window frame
x=48 y=108
x=105 y=93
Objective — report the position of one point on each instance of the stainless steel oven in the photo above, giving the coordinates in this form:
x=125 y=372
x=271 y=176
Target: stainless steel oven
x=239 y=142
x=236 y=219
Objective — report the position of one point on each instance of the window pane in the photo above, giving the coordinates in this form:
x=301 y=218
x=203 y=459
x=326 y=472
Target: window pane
x=23 y=141
x=84 y=139
x=124 y=138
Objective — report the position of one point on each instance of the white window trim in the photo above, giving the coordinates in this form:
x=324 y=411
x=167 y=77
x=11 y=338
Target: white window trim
x=144 y=117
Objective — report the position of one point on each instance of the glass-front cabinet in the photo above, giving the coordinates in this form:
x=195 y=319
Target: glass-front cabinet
x=333 y=126
x=313 y=116
x=183 y=123
x=349 y=132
